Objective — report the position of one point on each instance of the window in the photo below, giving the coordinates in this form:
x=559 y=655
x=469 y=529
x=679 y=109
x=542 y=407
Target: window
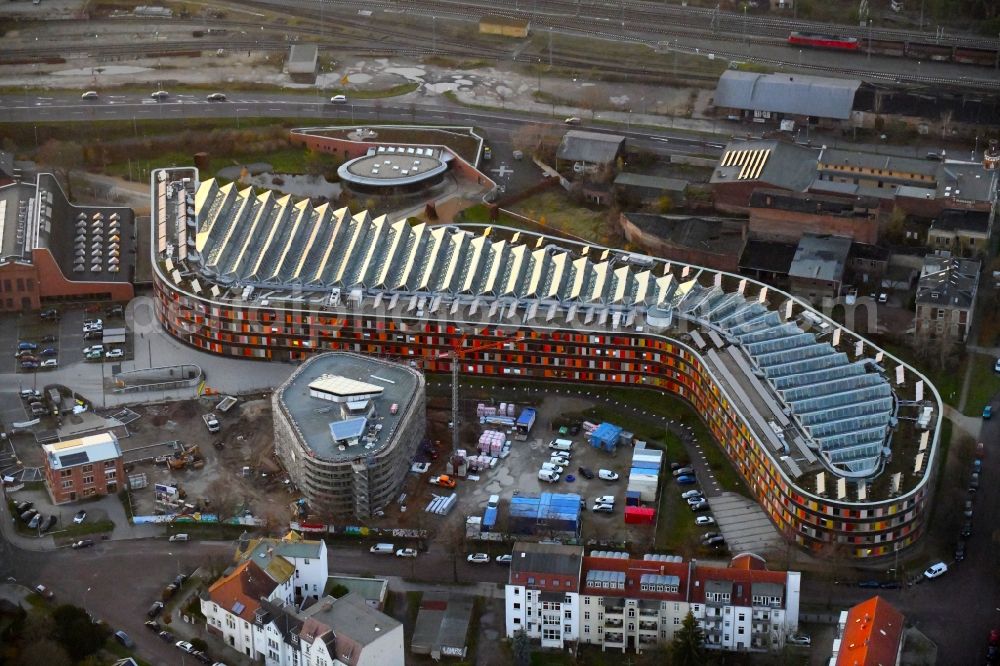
x=586 y=628
x=67 y=484
x=586 y=615
x=307 y=561
x=568 y=628
x=550 y=634
x=568 y=614
x=517 y=605
x=65 y=472
x=110 y=474
x=87 y=468
x=677 y=621
x=631 y=612
x=88 y=480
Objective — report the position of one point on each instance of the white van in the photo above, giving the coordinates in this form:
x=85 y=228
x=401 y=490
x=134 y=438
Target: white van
x=561 y=444
x=383 y=549
x=178 y=537
x=552 y=467
x=546 y=475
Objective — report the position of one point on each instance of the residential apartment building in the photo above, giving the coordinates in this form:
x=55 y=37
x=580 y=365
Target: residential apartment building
x=232 y=602
x=83 y=467
x=542 y=595
x=946 y=297
x=307 y=558
x=635 y=604
x=869 y=634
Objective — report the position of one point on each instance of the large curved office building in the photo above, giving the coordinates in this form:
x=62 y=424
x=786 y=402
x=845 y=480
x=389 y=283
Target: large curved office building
x=836 y=439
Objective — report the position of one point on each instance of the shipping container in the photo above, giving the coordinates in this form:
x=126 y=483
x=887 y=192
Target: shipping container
x=489 y=518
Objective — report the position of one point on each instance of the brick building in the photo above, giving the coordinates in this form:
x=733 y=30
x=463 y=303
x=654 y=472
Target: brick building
x=783 y=215
x=52 y=251
x=746 y=166
x=715 y=242
x=84 y=467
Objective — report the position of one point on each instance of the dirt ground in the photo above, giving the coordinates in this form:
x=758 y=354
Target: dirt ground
x=246 y=440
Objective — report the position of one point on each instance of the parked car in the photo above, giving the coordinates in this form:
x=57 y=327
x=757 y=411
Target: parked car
x=987 y=412
x=691 y=501
x=82 y=543
x=80 y=516
x=50 y=522
x=115 y=311
x=216 y=97
x=478 y=558
x=869 y=584
x=974 y=482
x=504 y=559
x=44 y=592
x=24 y=506
x=155 y=609
x=935 y=570
x=338 y=99
x=686 y=480
x=50 y=351
x=683 y=471
x=889 y=585
x=966 y=529
x=115 y=354
x=709 y=535
x=184 y=646
x=28 y=515
x=49 y=363
x=688 y=494
x=51 y=313
x=960 y=551
x=50 y=338
x=160 y=94
x=124 y=639
x=603 y=508
x=704 y=520
x=607 y=475
x=969 y=506
x=700 y=506
x=166 y=636
x=93 y=335
x=26 y=346
x=29 y=365
x=714 y=541
x=153 y=625
x=35 y=521
x=800 y=639
x=604 y=499
x=202 y=657
x=572 y=120
x=406 y=552
x=586 y=472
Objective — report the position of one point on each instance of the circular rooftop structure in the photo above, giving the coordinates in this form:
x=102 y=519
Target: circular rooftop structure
x=395 y=166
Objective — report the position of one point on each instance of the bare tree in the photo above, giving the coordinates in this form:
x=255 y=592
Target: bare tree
x=63 y=157
x=221 y=498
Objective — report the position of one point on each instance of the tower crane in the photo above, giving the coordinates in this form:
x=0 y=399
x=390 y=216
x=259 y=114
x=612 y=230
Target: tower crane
x=456 y=355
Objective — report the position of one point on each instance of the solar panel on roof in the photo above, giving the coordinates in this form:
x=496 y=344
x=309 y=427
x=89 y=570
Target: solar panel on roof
x=238 y=607
x=74 y=459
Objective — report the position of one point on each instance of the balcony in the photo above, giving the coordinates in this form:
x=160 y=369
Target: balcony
x=613 y=623
x=647 y=641
x=614 y=610
x=551 y=621
x=615 y=640
x=647 y=626
x=646 y=612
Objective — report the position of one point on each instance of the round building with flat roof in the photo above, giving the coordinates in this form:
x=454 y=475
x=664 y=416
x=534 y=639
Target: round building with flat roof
x=346 y=427
x=397 y=167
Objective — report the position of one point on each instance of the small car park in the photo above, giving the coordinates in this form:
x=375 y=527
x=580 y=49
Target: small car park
x=935 y=570
x=478 y=558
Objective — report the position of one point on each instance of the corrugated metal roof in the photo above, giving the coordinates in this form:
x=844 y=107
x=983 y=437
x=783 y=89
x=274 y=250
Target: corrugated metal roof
x=787 y=93
x=590 y=147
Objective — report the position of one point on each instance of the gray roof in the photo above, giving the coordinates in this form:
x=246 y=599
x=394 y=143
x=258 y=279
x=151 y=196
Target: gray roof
x=651 y=182
x=707 y=234
x=371 y=589
x=591 y=147
x=442 y=622
x=315 y=418
x=303 y=58
x=948 y=282
x=795 y=94
x=968 y=221
x=879 y=162
x=352 y=617
x=820 y=257
x=550 y=558
x=775 y=163
x=966 y=181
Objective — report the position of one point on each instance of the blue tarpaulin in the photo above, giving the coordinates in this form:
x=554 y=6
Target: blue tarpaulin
x=605 y=436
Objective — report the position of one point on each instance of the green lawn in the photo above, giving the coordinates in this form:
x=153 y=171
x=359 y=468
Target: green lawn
x=984 y=384
x=553 y=209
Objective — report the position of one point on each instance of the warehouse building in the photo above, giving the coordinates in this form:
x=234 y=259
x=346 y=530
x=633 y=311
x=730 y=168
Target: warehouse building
x=837 y=438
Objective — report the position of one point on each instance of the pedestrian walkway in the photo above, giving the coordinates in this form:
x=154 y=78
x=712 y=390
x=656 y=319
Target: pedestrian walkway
x=969 y=425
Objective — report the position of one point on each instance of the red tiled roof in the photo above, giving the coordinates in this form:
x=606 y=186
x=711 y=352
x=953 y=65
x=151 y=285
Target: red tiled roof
x=239 y=593
x=872 y=634
x=748 y=561
x=634 y=569
x=742 y=580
